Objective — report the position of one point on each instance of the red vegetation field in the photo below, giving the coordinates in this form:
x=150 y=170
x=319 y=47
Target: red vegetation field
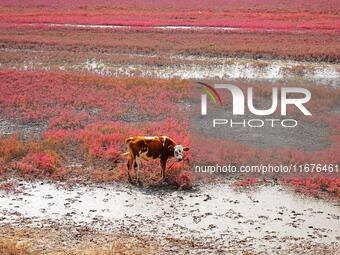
x=83 y=120
x=269 y=29
x=71 y=126
x=62 y=46
x=317 y=15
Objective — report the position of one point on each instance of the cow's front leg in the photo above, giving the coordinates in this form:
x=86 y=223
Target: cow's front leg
x=163 y=167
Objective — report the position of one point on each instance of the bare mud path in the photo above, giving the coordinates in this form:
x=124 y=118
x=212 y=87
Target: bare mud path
x=263 y=219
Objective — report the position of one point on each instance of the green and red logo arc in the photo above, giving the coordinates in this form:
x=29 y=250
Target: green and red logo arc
x=212 y=93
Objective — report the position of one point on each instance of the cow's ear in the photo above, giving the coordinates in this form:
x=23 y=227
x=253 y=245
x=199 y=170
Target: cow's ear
x=171 y=147
x=186 y=148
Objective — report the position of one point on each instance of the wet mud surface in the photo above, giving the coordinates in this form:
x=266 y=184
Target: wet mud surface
x=265 y=219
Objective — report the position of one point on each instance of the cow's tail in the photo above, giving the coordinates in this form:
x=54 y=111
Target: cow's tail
x=124 y=154
x=127 y=140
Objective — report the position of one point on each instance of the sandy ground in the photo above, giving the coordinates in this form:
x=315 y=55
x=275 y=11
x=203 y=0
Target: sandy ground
x=267 y=219
x=56 y=239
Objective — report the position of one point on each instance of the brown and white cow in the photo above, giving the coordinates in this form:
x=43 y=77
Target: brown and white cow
x=151 y=147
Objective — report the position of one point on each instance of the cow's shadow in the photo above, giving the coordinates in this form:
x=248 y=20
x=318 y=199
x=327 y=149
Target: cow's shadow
x=159 y=188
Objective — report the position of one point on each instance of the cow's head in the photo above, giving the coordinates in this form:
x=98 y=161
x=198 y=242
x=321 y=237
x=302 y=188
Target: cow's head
x=178 y=151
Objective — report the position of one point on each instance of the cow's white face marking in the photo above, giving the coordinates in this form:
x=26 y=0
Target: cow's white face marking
x=178 y=152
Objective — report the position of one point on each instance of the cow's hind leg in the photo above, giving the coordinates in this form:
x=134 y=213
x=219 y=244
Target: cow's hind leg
x=137 y=170
x=129 y=165
x=163 y=168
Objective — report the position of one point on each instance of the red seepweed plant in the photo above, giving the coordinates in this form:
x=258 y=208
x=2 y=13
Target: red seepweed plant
x=312 y=185
x=84 y=120
x=38 y=164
